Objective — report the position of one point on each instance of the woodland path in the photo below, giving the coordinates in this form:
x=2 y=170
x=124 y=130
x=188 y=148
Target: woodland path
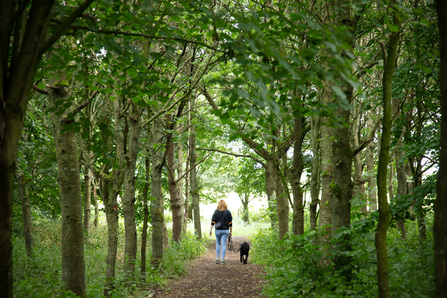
x=206 y=279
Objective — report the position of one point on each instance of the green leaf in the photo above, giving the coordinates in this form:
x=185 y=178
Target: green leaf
x=393 y=28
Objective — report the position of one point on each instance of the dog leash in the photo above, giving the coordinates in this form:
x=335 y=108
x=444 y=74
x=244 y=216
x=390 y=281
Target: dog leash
x=230 y=245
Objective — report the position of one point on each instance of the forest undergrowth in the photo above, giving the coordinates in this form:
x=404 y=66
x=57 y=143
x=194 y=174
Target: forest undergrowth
x=40 y=274
x=300 y=265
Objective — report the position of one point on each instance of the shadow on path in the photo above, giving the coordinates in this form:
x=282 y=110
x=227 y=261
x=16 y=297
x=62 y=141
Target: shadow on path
x=206 y=279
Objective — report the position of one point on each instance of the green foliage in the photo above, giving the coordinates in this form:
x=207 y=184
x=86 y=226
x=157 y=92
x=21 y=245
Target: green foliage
x=40 y=275
x=300 y=265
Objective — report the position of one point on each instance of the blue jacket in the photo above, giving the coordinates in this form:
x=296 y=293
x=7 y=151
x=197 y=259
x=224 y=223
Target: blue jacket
x=227 y=221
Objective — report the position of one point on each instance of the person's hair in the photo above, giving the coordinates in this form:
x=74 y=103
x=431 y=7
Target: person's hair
x=222 y=206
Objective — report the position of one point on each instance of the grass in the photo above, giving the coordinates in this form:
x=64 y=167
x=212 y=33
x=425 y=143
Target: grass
x=40 y=274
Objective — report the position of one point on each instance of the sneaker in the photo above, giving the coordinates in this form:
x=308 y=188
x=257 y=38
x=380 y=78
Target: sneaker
x=216 y=261
x=222 y=262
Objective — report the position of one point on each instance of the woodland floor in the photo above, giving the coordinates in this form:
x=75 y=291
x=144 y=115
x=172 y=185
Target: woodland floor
x=206 y=279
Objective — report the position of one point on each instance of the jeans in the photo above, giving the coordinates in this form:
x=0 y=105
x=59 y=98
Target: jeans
x=221 y=240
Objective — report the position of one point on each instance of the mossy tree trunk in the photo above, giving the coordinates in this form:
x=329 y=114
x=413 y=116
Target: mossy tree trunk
x=327 y=167
x=384 y=159
x=372 y=194
x=72 y=237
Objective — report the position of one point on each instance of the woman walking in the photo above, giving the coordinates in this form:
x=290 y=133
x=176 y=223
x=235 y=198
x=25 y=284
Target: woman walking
x=222 y=221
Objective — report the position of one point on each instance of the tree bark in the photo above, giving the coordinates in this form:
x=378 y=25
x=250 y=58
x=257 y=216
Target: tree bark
x=26 y=211
x=327 y=167
x=157 y=208
x=130 y=229
x=145 y=219
x=315 y=174
x=282 y=204
x=359 y=184
x=245 y=200
x=440 y=223
x=111 y=184
x=72 y=243
x=180 y=186
x=384 y=159
x=372 y=195
x=87 y=196
x=297 y=171
x=193 y=179
x=187 y=211
x=111 y=207
x=176 y=206
x=95 y=203
x=270 y=191
x=401 y=188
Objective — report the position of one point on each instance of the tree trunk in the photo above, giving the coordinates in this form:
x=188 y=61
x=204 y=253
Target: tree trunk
x=87 y=196
x=72 y=244
x=187 y=211
x=401 y=188
x=95 y=203
x=282 y=205
x=297 y=170
x=176 y=206
x=15 y=86
x=110 y=189
x=130 y=229
x=327 y=167
x=315 y=174
x=440 y=223
x=342 y=186
x=180 y=186
x=26 y=211
x=372 y=195
x=270 y=191
x=245 y=202
x=157 y=208
x=384 y=159
x=391 y=179
x=359 y=184
x=111 y=207
x=194 y=189
x=145 y=220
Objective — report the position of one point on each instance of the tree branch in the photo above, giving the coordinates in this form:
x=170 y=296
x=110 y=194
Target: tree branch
x=194 y=166
x=64 y=25
x=368 y=140
x=233 y=154
x=41 y=91
x=117 y=32
x=253 y=144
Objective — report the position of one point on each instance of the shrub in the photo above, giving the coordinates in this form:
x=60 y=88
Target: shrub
x=300 y=266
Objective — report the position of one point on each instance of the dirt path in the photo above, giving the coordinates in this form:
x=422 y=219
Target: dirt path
x=206 y=279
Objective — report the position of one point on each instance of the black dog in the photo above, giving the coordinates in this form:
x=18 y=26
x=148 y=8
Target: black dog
x=244 y=249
